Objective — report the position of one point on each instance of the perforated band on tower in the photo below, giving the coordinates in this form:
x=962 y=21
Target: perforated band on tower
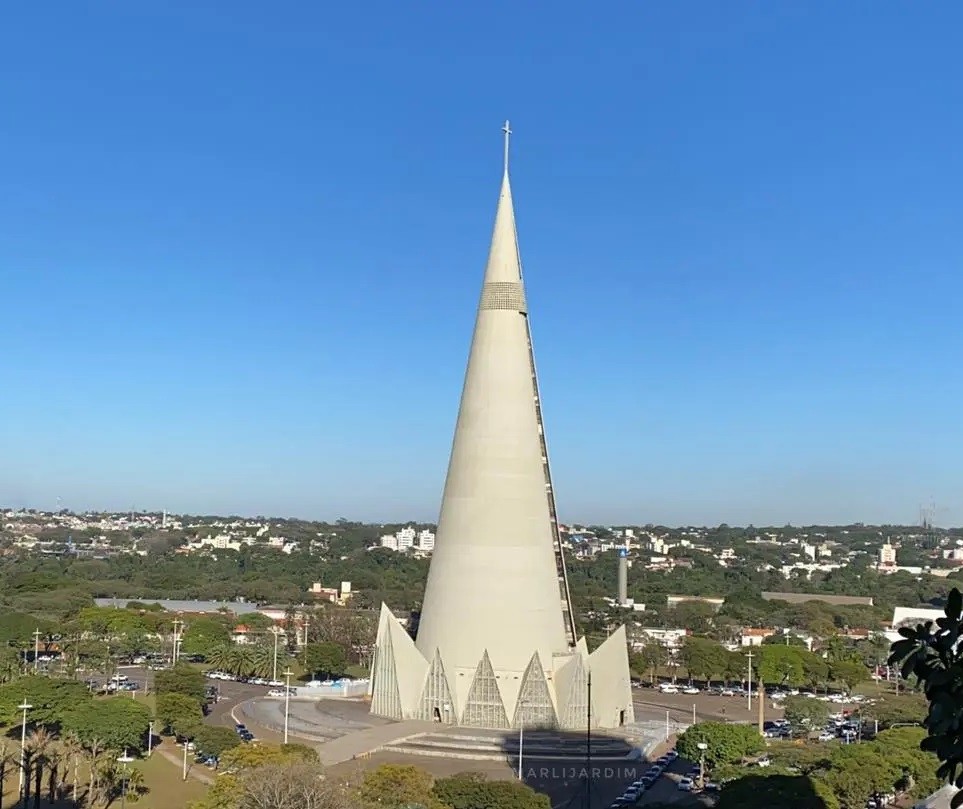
x=508 y=295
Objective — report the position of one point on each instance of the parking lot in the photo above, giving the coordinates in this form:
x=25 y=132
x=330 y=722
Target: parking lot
x=651 y=704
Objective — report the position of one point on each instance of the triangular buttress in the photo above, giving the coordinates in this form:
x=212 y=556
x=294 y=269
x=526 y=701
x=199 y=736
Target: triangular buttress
x=484 y=707
x=436 y=702
x=534 y=708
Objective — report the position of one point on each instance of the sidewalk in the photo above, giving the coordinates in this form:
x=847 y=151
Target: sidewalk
x=177 y=759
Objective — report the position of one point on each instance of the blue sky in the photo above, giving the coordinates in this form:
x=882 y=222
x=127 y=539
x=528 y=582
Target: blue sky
x=241 y=246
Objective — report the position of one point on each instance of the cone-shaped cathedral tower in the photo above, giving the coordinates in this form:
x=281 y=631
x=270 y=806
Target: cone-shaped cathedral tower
x=496 y=644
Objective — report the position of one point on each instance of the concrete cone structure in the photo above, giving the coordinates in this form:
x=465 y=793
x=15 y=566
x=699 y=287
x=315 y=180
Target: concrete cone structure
x=496 y=644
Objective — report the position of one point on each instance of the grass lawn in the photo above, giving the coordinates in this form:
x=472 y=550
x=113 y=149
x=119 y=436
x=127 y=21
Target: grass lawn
x=162 y=778
x=167 y=790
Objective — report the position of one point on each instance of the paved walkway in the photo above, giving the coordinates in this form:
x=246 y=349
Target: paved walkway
x=178 y=761
x=363 y=742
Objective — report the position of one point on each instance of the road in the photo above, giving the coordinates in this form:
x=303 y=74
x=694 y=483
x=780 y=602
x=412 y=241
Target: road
x=651 y=704
x=563 y=783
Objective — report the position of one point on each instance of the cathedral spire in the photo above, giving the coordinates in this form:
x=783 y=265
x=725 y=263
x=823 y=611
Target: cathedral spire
x=507 y=129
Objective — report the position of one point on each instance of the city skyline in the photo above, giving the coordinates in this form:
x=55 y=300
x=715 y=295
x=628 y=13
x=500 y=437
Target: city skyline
x=236 y=279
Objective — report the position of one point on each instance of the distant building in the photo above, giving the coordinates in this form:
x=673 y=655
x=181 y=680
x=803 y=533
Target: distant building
x=670 y=638
x=713 y=601
x=755 y=637
x=887 y=556
x=236 y=607
x=802 y=598
x=336 y=595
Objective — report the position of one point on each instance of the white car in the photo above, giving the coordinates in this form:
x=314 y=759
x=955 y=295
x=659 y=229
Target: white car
x=669 y=688
x=827 y=736
x=690 y=690
x=275 y=692
x=686 y=784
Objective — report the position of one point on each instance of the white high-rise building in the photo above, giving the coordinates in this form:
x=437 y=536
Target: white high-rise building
x=406 y=538
x=426 y=540
x=496 y=644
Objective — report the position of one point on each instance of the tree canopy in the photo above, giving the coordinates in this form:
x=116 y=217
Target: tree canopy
x=725 y=743
x=764 y=791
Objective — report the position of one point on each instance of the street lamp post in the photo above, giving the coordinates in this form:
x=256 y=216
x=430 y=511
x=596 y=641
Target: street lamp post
x=124 y=760
x=274 y=674
x=36 y=650
x=23 y=744
x=521 y=743
x=749 y=687
x=150 y=738
x=287 y=700
x=702 y=764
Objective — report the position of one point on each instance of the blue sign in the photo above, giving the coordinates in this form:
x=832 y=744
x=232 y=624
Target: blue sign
x=623 y=552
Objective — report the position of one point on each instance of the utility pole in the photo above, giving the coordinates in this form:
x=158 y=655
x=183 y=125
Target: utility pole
x=36 y=650
x=762 y=707
x=521 y=748
x=749 y=687
x=287 y=701
x=274 y=670
x=588 y=744
x=177 y=638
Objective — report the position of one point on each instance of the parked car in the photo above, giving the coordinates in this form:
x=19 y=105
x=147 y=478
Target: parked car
x=686 y=785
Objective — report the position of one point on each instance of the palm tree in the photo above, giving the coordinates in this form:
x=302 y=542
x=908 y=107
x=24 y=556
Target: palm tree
x=95 y=760
x=242 y=660
x=262 y=661
x=26 y=763
x=220 y=657
x=73 y=750
x=38 y=743
x=6 y=757
x=54 y=760
x=135 y=783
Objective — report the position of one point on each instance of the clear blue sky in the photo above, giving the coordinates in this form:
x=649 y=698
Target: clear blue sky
x=241 y=244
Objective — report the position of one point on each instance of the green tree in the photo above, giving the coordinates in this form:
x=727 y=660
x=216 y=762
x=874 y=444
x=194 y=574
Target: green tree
x=117 y=722
x=214 y=740
x=754 y=791
x=726 y=744
x=805 y=714
x=181 y=679
x=932 y=653
x=474 y=791
x=703 y=658
x=647 y=659
x=395 y=786
x=179 y=713
x=849 y=673
x=51 y=699
x=856 y=771
x=204 y=633
x=892 y=709
x=324 y=658
x=815 y=670
x=780 y=665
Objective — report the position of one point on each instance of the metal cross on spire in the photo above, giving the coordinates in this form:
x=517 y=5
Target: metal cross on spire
x=508 y=133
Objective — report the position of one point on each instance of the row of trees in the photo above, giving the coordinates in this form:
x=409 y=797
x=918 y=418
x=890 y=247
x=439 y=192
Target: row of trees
x=774 y=664
x=67 y=727
x=290 y=776
x=827 y=776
